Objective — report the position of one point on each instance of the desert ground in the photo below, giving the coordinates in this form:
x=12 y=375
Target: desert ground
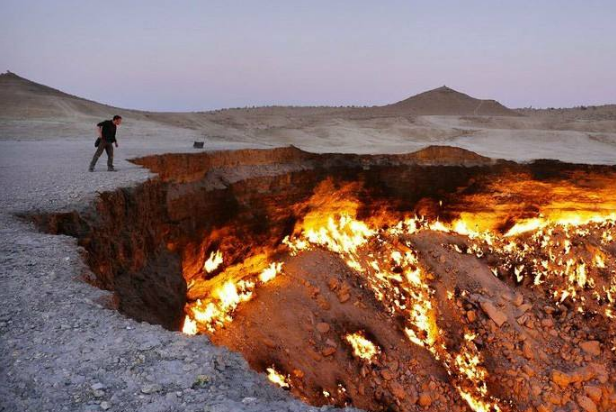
x=32 y=112
x=64 y=346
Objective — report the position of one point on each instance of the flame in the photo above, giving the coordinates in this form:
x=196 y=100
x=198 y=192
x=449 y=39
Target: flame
x=276 y=377
x=190 y=326
x=270 y=272
x=362 y=347
x=543 y=248
x=213 y=262
x=346 y=237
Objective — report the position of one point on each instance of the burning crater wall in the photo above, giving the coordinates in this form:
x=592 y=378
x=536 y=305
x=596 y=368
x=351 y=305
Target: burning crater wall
x=149 y=243
x=140 y=240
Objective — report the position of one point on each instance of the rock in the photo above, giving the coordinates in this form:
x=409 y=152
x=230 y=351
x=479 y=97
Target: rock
x=150 y=388
x=269 y=343
x=471 y=316
x=105 y=405
x=495 y=314
x=323 y=327
x=524 y=308
x=333 y=284
x=314 y=355
x=592 y=347
x=536 y=389
x=527 y=350
x=344 y=292
x=387 y=375
x=561 y=378
x=397 y=390
x=593 y=392
x=599 y=371
x=586 y=373
x=553 y=398
x=518 y=300
x=425 y=399
x=328 y=351
x=586 y=403
x=331 y=343
x=97 y=386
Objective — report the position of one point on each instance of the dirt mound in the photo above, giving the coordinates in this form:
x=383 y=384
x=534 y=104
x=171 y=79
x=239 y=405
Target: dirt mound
x=446 y=101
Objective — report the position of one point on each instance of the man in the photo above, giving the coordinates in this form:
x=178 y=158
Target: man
x=106 y=140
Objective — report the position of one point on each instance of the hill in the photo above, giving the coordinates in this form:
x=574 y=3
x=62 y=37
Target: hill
x=449 y=102
x=21 y=98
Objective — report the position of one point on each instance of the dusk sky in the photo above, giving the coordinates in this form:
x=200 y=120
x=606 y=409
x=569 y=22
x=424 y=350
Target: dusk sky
x=201 y=55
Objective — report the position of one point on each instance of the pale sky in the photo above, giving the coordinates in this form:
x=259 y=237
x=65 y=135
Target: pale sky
x=200 y=55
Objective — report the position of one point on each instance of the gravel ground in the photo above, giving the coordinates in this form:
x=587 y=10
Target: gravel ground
x=60 y=349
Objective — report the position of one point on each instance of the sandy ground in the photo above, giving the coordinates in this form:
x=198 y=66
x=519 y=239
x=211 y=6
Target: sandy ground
x=31 y=111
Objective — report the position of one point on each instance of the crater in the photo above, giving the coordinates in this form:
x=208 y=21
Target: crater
x=386 y=282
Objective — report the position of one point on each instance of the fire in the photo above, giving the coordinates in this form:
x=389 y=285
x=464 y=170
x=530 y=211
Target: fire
x=526 y=226
x=362 y=347
x=190 y=326
x=342 y=235
x=213 y=262
x=544 y=249
x=276 y=377
x=270 y=272
x=348 y=237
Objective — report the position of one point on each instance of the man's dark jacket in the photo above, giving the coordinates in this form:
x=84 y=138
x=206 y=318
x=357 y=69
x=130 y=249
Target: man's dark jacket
x=109 y=131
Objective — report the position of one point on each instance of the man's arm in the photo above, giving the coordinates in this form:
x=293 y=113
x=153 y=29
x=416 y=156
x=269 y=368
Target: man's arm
x=100 y=131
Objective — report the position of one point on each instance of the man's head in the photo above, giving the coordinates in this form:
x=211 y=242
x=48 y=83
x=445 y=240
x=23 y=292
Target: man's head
x=117 y=120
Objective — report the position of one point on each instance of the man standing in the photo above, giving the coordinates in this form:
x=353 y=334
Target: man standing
x=106 y=140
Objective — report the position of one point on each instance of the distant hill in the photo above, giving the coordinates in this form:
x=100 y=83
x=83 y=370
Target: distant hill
x=22 y=98
x=446 y=101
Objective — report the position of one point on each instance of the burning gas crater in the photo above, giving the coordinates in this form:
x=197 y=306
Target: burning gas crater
x=439 y=280
x=482 y=301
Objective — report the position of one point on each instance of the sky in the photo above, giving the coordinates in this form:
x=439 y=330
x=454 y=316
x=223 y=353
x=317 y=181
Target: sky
x=195 y=55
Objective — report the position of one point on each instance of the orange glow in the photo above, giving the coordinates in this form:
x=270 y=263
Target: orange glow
x=270 y=272
x=190 y=326
x=532 y=231
x=277 y=378
x=362 y=347
x=213 y=262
